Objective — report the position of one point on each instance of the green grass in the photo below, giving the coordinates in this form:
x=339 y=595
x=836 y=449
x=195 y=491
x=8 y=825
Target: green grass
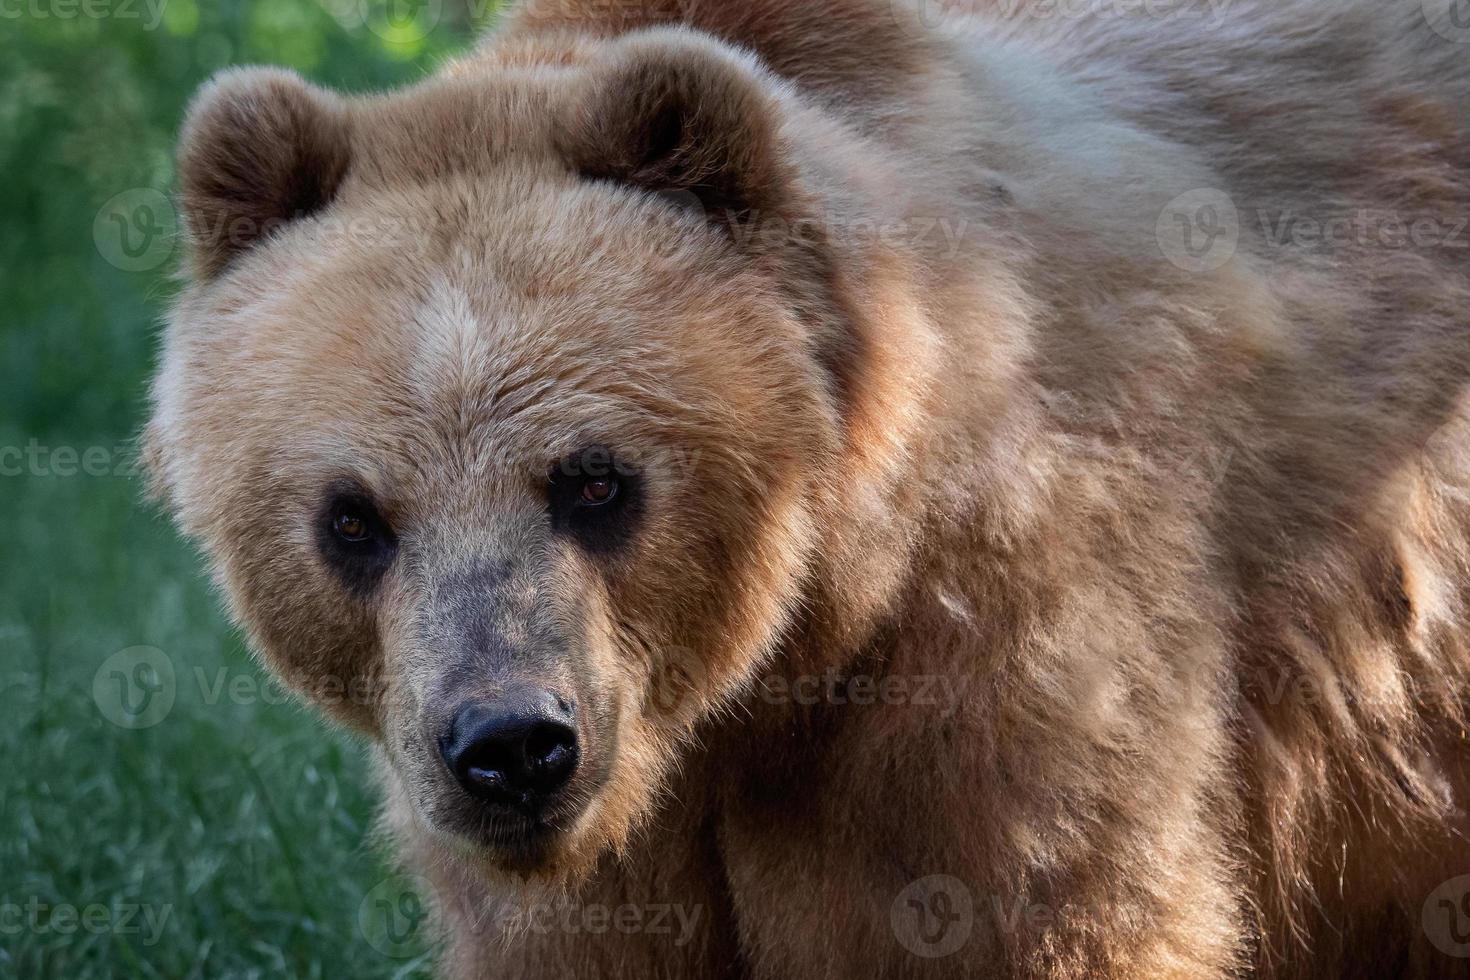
x=233 y=837
x=237 y=815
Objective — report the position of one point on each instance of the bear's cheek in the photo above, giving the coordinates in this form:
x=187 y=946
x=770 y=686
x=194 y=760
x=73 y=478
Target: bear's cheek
x=320 y=641
x=694 y=611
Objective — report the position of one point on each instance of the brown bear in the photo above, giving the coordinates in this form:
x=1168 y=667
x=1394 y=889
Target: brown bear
x=879 y=488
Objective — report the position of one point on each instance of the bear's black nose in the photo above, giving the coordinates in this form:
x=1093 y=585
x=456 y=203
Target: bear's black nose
x=517 y=750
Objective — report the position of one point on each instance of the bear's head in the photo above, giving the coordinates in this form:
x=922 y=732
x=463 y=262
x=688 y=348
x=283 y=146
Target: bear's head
x=516 y=437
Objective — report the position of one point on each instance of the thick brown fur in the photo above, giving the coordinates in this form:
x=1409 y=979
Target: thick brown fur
x=885 y=309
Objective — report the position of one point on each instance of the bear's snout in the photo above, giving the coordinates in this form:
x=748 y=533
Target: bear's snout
x=515 y=751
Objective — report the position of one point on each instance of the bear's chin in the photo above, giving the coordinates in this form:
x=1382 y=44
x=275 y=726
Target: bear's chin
x=558 y=856
x=542 y=855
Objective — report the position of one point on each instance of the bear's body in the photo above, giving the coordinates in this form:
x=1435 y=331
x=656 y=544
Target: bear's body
x=1079 y=471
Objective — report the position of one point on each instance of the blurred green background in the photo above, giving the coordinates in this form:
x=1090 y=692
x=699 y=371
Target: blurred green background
x=227 y=833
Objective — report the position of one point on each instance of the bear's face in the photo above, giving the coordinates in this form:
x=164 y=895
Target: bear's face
x=501 y=452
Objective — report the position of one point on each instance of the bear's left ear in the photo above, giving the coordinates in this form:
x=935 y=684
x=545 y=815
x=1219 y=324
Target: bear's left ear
x=260 y=148
x=672 y=112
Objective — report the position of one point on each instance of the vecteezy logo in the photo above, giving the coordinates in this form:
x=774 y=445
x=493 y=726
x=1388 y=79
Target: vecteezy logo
x=687 y=202
x=1199 y=230
x=136 y=230
x=1446 y=917
x=953 y=18
x=933 y=916
x=676 y=686
x=392 y=913
x=135 y=688
x=402 y=21
x=1450 y=19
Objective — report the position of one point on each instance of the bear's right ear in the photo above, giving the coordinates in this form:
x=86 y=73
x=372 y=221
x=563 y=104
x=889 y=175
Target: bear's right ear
x=259 y=148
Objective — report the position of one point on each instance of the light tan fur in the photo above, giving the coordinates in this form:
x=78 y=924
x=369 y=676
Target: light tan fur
x=915 y=392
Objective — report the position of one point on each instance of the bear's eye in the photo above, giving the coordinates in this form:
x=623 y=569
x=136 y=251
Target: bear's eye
x=354 y=539
x=351 y=526
x=599 y=490
x=594 y=497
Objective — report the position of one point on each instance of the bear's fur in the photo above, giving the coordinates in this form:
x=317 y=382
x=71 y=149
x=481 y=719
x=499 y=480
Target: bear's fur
x=896 y=321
